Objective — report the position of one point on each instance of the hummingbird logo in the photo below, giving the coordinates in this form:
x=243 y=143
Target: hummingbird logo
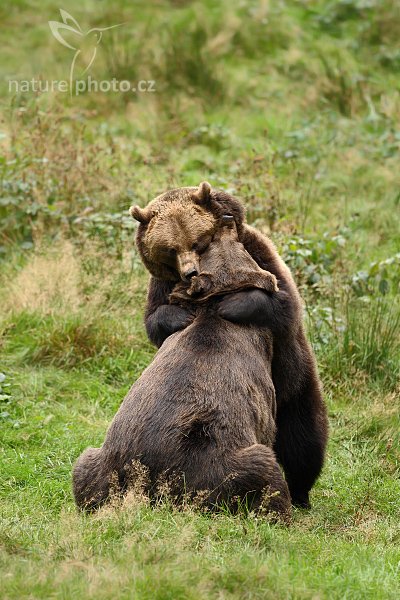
x=83 y=43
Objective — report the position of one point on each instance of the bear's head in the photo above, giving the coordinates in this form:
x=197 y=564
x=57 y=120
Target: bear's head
x=177 y=226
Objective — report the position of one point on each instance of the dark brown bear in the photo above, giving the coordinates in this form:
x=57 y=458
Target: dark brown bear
x=174 y=230
x=203 y=412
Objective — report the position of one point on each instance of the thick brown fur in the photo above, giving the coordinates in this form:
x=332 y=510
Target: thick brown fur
x=203 y=412
x=236 y=272
x=302 y=426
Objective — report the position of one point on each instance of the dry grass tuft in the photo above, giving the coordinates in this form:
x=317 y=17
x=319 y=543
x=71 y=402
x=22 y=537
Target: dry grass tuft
x=47 y=284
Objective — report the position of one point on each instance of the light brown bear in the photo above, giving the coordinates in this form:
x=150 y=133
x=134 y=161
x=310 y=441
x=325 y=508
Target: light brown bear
x=203 y=413
x=174 y=230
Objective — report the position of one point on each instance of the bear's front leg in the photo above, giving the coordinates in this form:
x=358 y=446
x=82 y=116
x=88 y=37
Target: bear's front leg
x=167 y=319
x=162 y=319
x=263 y=309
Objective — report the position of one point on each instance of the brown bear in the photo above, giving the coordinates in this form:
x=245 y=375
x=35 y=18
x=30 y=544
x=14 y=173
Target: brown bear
x=174 y=230
x=203 y=412
x=225 y=267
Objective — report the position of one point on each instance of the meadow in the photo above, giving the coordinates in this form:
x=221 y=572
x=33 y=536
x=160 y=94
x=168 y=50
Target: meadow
x=293 y=106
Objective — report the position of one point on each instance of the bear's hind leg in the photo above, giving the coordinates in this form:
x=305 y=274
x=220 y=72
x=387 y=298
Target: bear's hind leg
x=91 y=479
x=302 y=433
x=256 y=478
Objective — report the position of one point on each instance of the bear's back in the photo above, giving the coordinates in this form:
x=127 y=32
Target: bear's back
x=207 y=391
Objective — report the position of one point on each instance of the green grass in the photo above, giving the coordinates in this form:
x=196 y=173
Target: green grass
x=295 y=107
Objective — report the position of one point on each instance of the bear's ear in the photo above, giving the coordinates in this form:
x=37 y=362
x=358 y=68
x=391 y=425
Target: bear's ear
x=203 y=194
x=143 y=215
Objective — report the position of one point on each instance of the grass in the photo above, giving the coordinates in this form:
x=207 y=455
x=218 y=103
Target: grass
x=294 y=106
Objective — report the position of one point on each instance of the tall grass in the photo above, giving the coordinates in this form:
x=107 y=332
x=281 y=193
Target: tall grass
x=358 y=337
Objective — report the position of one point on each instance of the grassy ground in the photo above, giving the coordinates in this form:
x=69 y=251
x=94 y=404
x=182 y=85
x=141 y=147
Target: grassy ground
x=292 y=105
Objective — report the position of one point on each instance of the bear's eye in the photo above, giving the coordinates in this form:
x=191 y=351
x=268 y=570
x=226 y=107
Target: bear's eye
x=170 y=252
x=202 y=244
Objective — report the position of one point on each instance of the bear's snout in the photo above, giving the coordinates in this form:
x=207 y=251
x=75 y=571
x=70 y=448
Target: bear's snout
x=188 y=265
x=190 y=273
